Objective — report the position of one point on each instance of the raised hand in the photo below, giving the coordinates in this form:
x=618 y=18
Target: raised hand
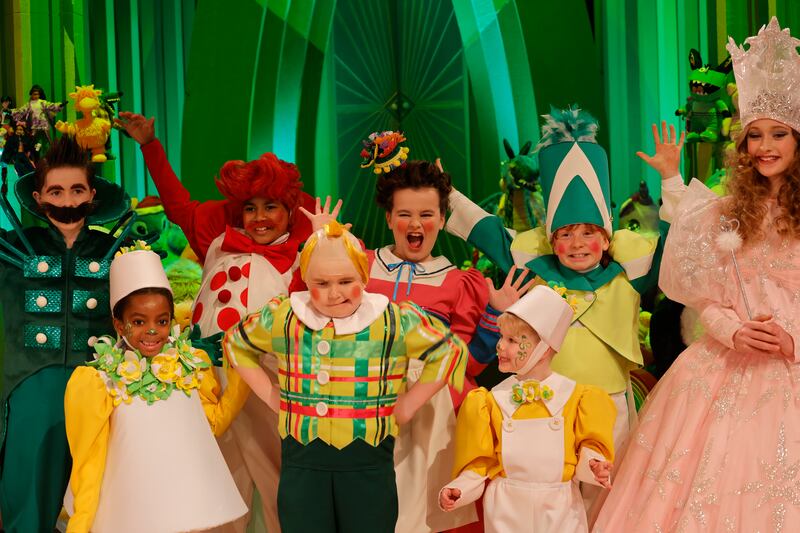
x=511 y=291
x=667 y=159
x=323 y=215
x=601 y=471
x=448 y=498
x=141 y=129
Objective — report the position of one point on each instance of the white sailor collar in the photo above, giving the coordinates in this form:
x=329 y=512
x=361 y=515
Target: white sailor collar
x=390 y=263
x=562 y=388
x=372 y=306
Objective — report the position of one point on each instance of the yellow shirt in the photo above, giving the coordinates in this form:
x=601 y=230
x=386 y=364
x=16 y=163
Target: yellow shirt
x=88 y=407
x=589 y=416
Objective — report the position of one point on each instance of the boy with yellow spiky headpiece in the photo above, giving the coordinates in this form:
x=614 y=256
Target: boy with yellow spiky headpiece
x=342 y=357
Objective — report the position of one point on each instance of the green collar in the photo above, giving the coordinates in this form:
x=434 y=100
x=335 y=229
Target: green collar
x=129 y=374
x=111 y=200
x=550 y=269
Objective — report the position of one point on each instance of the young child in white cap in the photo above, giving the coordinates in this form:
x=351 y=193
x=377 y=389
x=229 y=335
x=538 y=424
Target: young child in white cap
x=137 y=417
x=534 y=435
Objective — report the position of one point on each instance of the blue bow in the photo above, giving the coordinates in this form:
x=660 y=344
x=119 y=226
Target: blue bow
x=413 y=268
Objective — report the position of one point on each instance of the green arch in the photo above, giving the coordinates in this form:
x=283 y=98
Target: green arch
x=266 y=63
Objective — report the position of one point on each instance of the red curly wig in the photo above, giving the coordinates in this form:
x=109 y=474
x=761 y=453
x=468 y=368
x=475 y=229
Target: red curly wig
x=266 y=177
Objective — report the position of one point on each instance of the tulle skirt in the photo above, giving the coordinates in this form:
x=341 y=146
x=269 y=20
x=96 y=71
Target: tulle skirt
x=717 y=449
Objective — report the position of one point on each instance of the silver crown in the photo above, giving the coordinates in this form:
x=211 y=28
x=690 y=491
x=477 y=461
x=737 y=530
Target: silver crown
x=768 y=76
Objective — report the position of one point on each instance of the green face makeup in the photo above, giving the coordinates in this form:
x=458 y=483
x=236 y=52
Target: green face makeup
x=524 y=348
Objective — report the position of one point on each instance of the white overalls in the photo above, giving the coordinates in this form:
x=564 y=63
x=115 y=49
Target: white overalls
x=532 y=497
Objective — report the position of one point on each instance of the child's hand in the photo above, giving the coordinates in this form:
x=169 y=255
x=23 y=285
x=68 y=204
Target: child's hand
x=323 y=215
x=415 y=397
x=602 y=472
x=511 y=291
x=139 y=128
x=667 y=159
x=448 y=498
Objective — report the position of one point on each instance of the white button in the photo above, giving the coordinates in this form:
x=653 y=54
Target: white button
x=323 y=377
x=94 y=267
x=589 y=297
x=322 y=408
x=42 y=267
x=323 y=347
x=91 y=303
x=41 y=301
x=91 y=341
x=555 y=424
x=41 y=338
x=508 y=425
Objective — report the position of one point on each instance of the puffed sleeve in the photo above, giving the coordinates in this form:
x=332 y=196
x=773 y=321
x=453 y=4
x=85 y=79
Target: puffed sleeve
x=594 y=431
x=221 y=407
x=427 y=339
x=475 y=322
x=695 y=272
x=245 y=343
x=87 y=408
x=471 y=302
x=476 y=447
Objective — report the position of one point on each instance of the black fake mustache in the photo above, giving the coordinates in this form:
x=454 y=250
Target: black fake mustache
x=67 y=214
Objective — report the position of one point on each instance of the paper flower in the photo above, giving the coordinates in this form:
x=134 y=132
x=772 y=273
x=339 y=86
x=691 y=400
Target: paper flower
x=529 y=392
x=132 y=368
x=166 y=367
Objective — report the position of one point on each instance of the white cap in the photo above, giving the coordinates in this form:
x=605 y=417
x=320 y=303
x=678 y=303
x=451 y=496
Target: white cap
x=547 y=312
x=131 y=271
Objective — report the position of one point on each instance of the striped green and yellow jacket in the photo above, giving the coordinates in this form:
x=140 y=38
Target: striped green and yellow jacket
x=342 y=387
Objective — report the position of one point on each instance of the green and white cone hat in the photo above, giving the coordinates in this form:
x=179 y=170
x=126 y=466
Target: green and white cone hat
x=573 y=171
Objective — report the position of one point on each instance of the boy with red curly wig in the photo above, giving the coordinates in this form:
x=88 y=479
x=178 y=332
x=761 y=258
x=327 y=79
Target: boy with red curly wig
x=248 y=245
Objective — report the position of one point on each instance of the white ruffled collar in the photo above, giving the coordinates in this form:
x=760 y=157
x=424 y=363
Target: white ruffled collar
x=372 y=306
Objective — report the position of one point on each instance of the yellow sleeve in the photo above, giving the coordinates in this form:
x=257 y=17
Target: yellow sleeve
x=429 y=340
x=87 y=408
x=245 y=342
x=221 y=407
x=477 y=441
x=594 y=423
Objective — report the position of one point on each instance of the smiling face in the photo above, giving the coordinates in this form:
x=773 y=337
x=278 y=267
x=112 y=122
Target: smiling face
x=516 y=344
x=415 y=221
x=335 y=285
x=264 y=220
x=580 y=246
x=772 y=146
x=145 y=322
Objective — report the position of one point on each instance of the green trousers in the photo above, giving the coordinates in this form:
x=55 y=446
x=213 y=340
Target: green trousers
x=36 y=461
x=326 y=490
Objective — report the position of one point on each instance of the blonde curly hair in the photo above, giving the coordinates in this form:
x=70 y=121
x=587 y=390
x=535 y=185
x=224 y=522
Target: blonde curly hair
x=748 y=191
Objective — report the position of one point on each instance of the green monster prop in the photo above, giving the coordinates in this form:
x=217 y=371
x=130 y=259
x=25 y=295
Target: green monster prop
x=708 y=107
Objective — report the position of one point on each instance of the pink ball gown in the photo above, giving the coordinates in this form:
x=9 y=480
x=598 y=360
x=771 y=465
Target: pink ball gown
x=717 y=447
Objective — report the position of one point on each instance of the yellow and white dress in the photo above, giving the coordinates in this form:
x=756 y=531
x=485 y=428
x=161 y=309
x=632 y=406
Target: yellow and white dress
x=533 y=446
x=145 y=459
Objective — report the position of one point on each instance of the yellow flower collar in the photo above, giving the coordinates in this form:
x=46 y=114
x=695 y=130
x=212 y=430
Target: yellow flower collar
x=130 y=374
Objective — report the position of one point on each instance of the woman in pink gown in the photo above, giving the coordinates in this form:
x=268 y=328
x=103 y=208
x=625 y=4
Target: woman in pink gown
x=717 y=447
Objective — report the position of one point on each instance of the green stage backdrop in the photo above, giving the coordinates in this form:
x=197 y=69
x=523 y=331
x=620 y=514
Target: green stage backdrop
x=308 y=79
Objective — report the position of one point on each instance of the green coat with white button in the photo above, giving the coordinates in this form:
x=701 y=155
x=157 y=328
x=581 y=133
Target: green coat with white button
x=51 y=309
x=54 y=300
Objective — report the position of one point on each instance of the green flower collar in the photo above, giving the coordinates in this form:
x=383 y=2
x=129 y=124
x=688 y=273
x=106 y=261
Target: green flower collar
x=128 y=373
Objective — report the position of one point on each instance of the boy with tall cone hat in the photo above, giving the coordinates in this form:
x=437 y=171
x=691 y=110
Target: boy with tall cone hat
x=603 y=271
